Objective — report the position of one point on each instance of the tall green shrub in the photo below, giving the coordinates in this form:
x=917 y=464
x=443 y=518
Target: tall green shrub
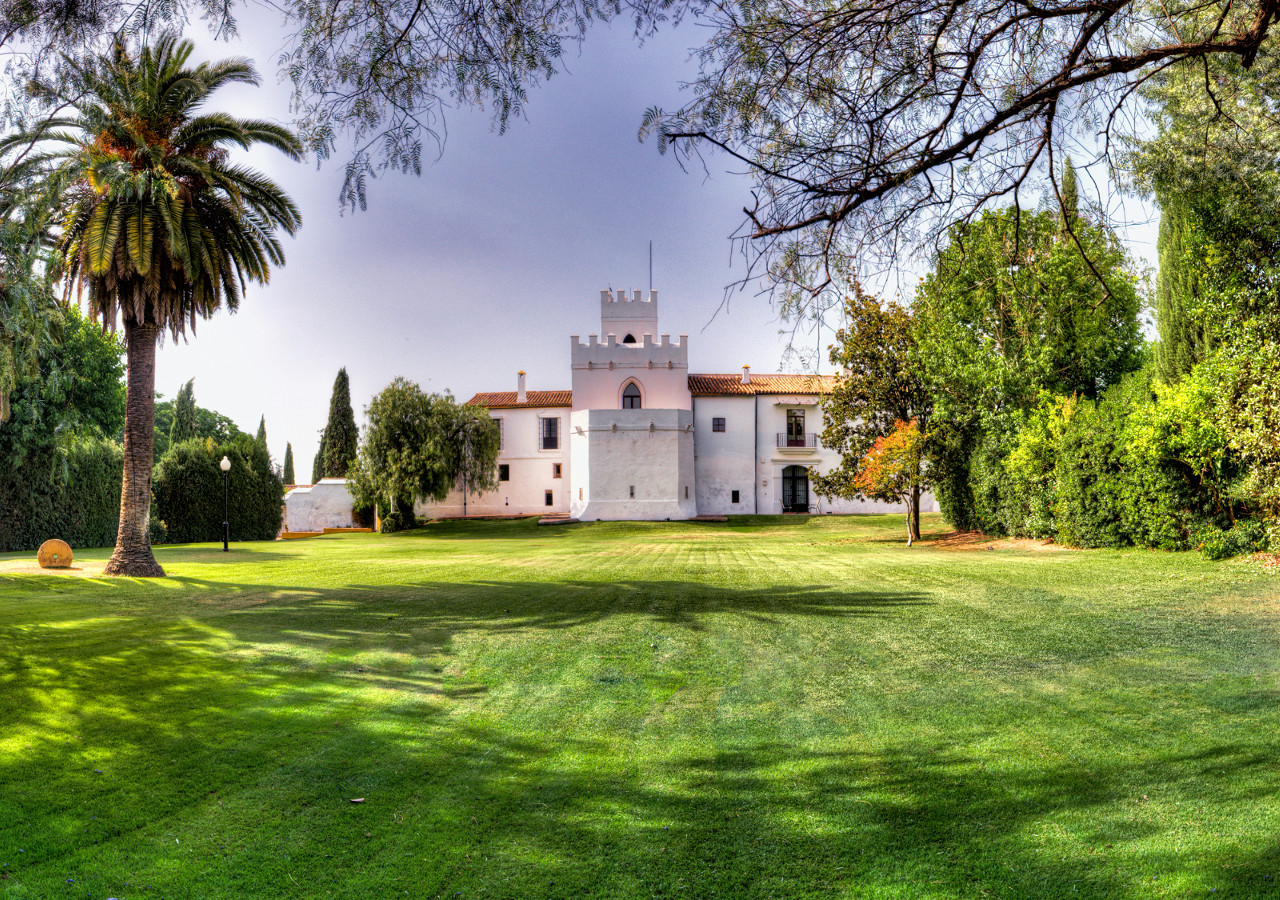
x=188 y=490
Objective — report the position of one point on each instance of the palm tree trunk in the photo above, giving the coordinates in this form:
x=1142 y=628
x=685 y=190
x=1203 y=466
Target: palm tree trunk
x=133 y=555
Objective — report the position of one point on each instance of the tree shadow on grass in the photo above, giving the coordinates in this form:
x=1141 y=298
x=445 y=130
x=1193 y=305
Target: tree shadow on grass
x=506 y=606
x=217 y=755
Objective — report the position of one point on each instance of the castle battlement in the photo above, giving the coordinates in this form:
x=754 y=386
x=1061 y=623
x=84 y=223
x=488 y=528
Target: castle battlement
x=609 y=353
x=622 y=306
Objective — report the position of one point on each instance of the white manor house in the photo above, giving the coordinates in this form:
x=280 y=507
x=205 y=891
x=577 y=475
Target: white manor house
x=639 y=437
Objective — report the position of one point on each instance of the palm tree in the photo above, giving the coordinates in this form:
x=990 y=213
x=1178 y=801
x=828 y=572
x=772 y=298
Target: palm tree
x=158 y=226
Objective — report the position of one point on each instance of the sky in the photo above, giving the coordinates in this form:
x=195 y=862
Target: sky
x=487 y=262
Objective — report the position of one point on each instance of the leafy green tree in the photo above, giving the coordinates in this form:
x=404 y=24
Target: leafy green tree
x=61 y=476
x=418 y=447
x=1012 y=310
x=29 y=313
x=879 y=393
x=183 y=424
x=288 y=464
x=159 y=227
x=341 y=437
x=1012 y=307
x=1214 y=166
x=261 y=436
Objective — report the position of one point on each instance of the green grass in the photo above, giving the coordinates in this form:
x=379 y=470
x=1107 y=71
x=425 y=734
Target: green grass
x=770 y=708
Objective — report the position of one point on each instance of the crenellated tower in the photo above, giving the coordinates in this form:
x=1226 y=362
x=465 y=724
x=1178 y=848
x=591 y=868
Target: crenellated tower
x=631 y=402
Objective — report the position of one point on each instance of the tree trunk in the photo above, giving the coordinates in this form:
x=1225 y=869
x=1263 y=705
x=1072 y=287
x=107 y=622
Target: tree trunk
x=133 y=555
x=913 y=516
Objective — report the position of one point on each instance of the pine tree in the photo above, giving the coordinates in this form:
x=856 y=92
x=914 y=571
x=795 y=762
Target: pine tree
x=288 y=464
x=340 y=434
x=317 y=466
x=1182 y=341
x=183 y=427
x=261 y=436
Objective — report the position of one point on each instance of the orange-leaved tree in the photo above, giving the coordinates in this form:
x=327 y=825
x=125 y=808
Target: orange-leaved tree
x=894 y=470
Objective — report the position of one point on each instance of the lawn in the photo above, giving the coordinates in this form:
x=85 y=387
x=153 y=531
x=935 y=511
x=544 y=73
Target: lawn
x=770 y=708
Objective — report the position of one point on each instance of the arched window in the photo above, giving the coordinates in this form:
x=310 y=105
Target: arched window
x=631 y=397
x=629 y=339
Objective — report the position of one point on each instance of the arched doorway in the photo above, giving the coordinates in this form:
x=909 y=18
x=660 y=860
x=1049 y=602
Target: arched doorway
x=795 y=489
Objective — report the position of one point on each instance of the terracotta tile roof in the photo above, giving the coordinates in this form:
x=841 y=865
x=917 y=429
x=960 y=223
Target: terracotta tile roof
x=717 y=385
x=507 y=399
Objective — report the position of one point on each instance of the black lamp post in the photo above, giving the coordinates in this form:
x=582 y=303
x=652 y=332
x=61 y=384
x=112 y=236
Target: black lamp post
x=225 y=466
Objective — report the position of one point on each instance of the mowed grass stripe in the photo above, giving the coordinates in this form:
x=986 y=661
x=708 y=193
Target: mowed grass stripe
x=770 y=707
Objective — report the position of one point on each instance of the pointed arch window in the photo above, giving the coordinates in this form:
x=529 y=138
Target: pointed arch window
x=631 y=396
x=629 y=339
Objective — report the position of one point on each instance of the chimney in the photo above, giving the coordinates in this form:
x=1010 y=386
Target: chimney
x=520 y=394
x=746 y=374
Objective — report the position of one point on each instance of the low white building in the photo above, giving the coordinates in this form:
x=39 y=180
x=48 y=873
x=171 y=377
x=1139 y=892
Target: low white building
x=315 y=507
x=640 y=437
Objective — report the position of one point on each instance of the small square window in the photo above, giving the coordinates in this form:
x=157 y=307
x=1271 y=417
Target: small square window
x=550 y=499
x=555 y=470
x=735 y=497
x=717 y=424
x=504 y=472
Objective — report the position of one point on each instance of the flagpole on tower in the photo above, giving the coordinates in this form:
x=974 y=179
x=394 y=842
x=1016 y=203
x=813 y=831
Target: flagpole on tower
x=651 y=266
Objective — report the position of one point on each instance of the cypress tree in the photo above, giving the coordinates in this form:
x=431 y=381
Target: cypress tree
x=261 y=436
x=288 y=463
x=317 y=466
x=1182 y=341
x=340 y=434
x=1070 y=193
x=183 y=427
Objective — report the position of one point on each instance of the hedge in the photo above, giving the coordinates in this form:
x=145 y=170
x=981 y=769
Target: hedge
x=188 y=485
x=72 y=493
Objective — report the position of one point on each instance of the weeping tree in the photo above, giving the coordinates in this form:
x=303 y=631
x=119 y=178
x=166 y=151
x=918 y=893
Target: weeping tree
x=159 y=228
x=420 y=446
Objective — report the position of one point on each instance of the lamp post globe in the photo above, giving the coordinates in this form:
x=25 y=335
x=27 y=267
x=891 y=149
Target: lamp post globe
x=225 y=466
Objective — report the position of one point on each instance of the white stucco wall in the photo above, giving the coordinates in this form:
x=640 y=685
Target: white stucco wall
x=326 y=504
x=724 y=462
x=617 y=450
x=771 y=410
x=532 y=471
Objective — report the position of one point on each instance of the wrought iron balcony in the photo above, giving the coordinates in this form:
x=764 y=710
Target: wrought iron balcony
x=807 y=441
